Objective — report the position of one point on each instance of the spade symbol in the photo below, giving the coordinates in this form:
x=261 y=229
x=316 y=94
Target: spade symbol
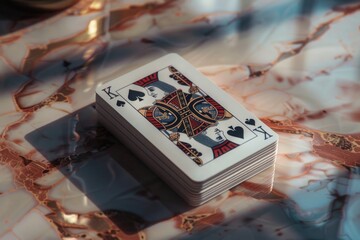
x=66 y=63
x=250 y=121
x=135 y=95
x=236 y=132
x=120 y=103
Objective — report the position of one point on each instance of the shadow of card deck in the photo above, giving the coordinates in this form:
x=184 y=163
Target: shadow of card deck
x=198 y=139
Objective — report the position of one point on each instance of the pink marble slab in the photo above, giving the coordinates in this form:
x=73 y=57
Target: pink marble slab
x=295 y=64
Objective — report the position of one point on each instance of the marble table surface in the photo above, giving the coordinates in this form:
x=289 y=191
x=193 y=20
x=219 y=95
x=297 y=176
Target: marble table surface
x=295 y=64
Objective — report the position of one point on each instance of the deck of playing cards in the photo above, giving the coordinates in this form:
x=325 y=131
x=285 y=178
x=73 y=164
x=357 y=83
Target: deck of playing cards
x=198 y=139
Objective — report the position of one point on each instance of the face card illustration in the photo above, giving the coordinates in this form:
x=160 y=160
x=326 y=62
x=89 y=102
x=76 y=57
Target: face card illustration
x=197 y=124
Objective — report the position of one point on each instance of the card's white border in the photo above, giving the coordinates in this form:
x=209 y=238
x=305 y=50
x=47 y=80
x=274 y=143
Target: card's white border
x=196 y=173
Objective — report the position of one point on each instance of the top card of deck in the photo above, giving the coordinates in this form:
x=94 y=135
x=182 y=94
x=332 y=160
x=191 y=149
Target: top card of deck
x=181 y=104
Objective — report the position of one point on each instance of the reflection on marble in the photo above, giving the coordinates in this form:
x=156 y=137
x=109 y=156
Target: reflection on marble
x=294 y=64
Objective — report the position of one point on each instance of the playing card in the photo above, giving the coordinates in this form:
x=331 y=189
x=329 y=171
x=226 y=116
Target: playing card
x=126 y=136
x=199 y=128
x=133 y=140
x=193 y=197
